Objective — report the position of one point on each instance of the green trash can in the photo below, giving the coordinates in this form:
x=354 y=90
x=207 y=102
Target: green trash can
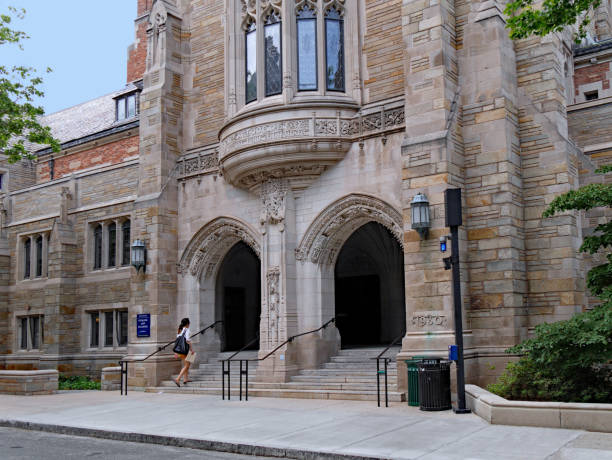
x=413 y=380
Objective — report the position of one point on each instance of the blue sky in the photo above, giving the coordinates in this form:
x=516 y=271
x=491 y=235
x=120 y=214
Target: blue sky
x=84 y=42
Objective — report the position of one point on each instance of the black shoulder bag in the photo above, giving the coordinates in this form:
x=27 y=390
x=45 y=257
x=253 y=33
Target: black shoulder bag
x=181 y=346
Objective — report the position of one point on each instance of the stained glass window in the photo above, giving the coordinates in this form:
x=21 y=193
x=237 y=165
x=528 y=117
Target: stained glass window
x=273 y=58
x=251 y=63
x=334 y=50
x=307 y=49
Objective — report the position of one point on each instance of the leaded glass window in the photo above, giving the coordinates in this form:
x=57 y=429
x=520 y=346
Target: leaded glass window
x=125 y=243
x=251 y=63
x=39 y=255
x=307 y=49
x=112 y=244
x=97 y=247
x=108 y=328
x=273 y=58
x=27 y=246
x=334 y=50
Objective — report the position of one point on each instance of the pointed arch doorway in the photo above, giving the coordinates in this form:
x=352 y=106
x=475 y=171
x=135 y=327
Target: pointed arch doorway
x=369 y=288
x=238 y=297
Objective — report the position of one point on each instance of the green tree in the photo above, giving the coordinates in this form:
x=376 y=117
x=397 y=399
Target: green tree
x=571 y=360
x=19 y=85
x=524 y=19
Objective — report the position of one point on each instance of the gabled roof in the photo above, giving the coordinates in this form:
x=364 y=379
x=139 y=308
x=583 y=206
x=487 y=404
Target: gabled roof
x=85 y=119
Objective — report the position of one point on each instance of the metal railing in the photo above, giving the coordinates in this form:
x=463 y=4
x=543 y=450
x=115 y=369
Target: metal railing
x=380 y=371
x=244 y=368
x=124 y=362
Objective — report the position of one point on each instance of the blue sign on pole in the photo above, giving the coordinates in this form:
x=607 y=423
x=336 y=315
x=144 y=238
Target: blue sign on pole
x=143 y=325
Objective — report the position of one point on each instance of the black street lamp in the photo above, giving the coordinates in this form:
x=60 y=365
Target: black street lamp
x=452 y=203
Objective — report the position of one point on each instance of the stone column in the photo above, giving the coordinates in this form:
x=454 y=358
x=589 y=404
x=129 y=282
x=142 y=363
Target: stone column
x=104 y=245
x=493 y=192
x=279 y=300
x=432 y=161
x=155 y=208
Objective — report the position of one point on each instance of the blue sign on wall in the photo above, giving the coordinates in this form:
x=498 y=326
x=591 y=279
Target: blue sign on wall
x=143 y=325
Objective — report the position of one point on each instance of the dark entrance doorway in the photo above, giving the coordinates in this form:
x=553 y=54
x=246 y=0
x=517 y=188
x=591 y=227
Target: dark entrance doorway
x=369 y=288
x=238 y=300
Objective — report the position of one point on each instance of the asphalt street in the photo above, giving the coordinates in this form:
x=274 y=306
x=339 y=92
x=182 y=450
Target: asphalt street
x=21 y=444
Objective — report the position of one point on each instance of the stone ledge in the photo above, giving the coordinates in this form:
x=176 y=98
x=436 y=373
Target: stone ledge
x=27 y=383
x=577 y=416
x=111 y=378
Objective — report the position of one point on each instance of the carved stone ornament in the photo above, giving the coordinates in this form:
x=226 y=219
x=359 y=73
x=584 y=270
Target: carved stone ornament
x=249 y=13
x=157 y=24
x=326 y=235
x=274 y=300
x=201 y=164
x=273 y=193
x=207 y=248
x=302 y=4
x=337 y=4
x=271 y=7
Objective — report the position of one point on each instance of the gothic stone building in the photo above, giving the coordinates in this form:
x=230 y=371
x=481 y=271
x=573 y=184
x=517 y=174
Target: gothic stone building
x=267 y=152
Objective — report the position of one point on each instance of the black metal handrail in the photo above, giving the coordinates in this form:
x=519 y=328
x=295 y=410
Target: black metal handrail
x=380 y=372
x=245 y=371
x=124 y=362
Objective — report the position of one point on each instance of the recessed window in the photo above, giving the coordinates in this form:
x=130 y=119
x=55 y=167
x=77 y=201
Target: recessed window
x=1 y=181
x=125 y=243
x=97 y=247
x=334 y=49
x=31 y=332
x=33 y=253
x=109 y=328
x=591 y=95
x=307 y=49
x=112 y=244
x=272 y=45
x=126 y=107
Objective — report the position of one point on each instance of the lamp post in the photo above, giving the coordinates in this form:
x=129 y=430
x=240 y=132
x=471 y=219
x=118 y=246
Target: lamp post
x=421 y=222
x=139 y=255
x=452 y=204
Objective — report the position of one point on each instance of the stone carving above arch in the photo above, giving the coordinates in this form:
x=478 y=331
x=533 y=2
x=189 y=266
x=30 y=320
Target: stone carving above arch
x=338 y=5
x=207 y=248
x=333 y=226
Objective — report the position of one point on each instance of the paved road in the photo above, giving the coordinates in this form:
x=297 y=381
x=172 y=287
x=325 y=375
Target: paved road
x=21 y=444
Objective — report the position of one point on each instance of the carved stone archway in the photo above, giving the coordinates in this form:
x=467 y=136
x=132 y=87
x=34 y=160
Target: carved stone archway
x=336 y=223
x=204 y=253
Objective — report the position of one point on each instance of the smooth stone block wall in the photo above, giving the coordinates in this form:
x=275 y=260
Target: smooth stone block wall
x=28 y=383
x=111 y=378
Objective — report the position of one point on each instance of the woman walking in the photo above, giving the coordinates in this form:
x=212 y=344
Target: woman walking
x=187 y=359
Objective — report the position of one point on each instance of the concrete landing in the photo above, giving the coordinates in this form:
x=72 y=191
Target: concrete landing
x=295 y=428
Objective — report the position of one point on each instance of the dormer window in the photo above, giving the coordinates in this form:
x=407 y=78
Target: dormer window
x=126 y=107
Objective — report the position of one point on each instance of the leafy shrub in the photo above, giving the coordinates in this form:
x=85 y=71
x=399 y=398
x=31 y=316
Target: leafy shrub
x=565 y=361
x=77 y=382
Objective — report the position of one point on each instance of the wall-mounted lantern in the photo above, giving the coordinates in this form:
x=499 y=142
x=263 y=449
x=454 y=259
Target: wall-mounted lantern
x=419 y=207
x=139 y=255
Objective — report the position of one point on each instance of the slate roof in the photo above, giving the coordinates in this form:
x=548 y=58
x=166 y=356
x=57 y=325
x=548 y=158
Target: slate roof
x=84 y=119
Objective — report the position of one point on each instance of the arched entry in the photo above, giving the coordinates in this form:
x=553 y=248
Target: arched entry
x=238 y=297
x=369 y=288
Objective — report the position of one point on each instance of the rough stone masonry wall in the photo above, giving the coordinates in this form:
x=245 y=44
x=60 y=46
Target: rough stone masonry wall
x=137 y=52
x=493 y=213
x=205 y=97
x=383 y=50
x=550 y=166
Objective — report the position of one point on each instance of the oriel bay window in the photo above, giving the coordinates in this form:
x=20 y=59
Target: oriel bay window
x=110 y=244
x=295 y=44
x=108 y=328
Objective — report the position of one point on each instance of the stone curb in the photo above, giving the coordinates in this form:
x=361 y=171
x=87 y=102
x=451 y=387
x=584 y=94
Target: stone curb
x=574 y=416
x=174 y=441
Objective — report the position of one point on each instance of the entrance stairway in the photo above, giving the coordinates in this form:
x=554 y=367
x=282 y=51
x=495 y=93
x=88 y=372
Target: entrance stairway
x=351 y=374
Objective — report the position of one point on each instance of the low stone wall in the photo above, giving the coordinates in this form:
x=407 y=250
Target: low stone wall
x=500 y=411
x=111 y=378
x=27 y=383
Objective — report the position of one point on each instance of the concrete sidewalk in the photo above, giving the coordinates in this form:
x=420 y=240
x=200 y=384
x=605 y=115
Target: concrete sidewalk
x=295 y=428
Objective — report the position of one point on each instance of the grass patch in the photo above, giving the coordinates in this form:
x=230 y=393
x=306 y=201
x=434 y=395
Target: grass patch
x=77 y=382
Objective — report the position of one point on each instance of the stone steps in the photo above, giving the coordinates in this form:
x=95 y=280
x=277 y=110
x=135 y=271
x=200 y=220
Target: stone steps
x=284 y=393
x=350 y=374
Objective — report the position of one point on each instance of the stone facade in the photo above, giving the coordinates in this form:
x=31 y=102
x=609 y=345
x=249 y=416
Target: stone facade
x=435 y=95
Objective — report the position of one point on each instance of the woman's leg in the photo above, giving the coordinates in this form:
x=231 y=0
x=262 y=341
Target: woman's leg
x=178 y=379
x=186 y=374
